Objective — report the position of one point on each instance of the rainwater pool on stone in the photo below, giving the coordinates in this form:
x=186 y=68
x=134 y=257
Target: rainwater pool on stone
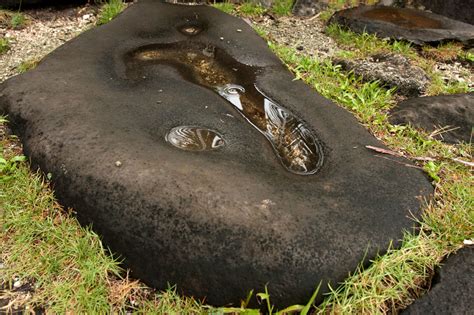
x=191 y=138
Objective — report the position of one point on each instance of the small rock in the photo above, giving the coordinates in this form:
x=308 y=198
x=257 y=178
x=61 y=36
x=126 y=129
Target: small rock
x=17 y=284
x=391 y=70
x=118 y=163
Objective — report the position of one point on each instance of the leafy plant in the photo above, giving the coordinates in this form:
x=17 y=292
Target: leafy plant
x=433 y=170
x=109 y=11
x=8 y=167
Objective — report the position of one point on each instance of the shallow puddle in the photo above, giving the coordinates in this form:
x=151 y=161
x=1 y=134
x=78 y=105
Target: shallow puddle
x=194 y=138
x=294 y=144
x=403 y=18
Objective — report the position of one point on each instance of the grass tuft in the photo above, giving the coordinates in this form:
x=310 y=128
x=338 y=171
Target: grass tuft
x=226 y=7
x=27 y=65
x=282 y=7
x=4 y=45
x=18 y=20
x=251 y=9
x=109 y=11
x=444 y=53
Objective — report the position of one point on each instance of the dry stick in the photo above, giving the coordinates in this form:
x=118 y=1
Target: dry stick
x=405 y=164
x=467 y=163
x=420 y=158
x=390 y=152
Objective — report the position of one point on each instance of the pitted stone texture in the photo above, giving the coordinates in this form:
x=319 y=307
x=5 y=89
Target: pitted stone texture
x=393 y=71
x=453 y=113
x=416 y=26
x=216 y=223
x=309 y=7
x=452 y=288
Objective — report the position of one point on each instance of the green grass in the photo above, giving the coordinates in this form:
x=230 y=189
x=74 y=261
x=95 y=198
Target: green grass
x=12 y=19
x=109 y=11
x=18 y=20
x=282 y=7
x=226 y=7
x=4 y=45
x=251 y=9
x=467 y=56
x=363 y=45
x=27 y=65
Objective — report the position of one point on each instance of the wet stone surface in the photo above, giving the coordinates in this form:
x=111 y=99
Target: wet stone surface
x=449 y=118
x=452 y=287
x=197 y=157
x=418 y=27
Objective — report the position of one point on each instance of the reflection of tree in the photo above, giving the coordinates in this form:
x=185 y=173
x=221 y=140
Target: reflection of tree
x=292 y=141
x=194 y=138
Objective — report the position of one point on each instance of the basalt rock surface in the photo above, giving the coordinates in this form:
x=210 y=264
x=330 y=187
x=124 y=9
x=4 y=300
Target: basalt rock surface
x=452 y=115
x=391 y=70
x=452 y=288
x=308 y=7
x=191 y=150
x=416 y=26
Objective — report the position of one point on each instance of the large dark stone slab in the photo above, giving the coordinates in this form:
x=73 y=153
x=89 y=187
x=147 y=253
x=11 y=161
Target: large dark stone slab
x=452 y=288
x=230 y=212
x=418 y=27
x=454 y=114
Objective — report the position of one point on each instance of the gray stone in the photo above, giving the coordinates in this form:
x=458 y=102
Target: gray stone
x=393 y=71
x=454 y=113
x=452 y=288
x=309 y=7
x=416 y=26
x=218 y=207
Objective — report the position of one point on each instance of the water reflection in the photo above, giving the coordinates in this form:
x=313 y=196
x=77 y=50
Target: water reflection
x=294 y=144
x=402 y=17
x=292 y=140
x=194 y=138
